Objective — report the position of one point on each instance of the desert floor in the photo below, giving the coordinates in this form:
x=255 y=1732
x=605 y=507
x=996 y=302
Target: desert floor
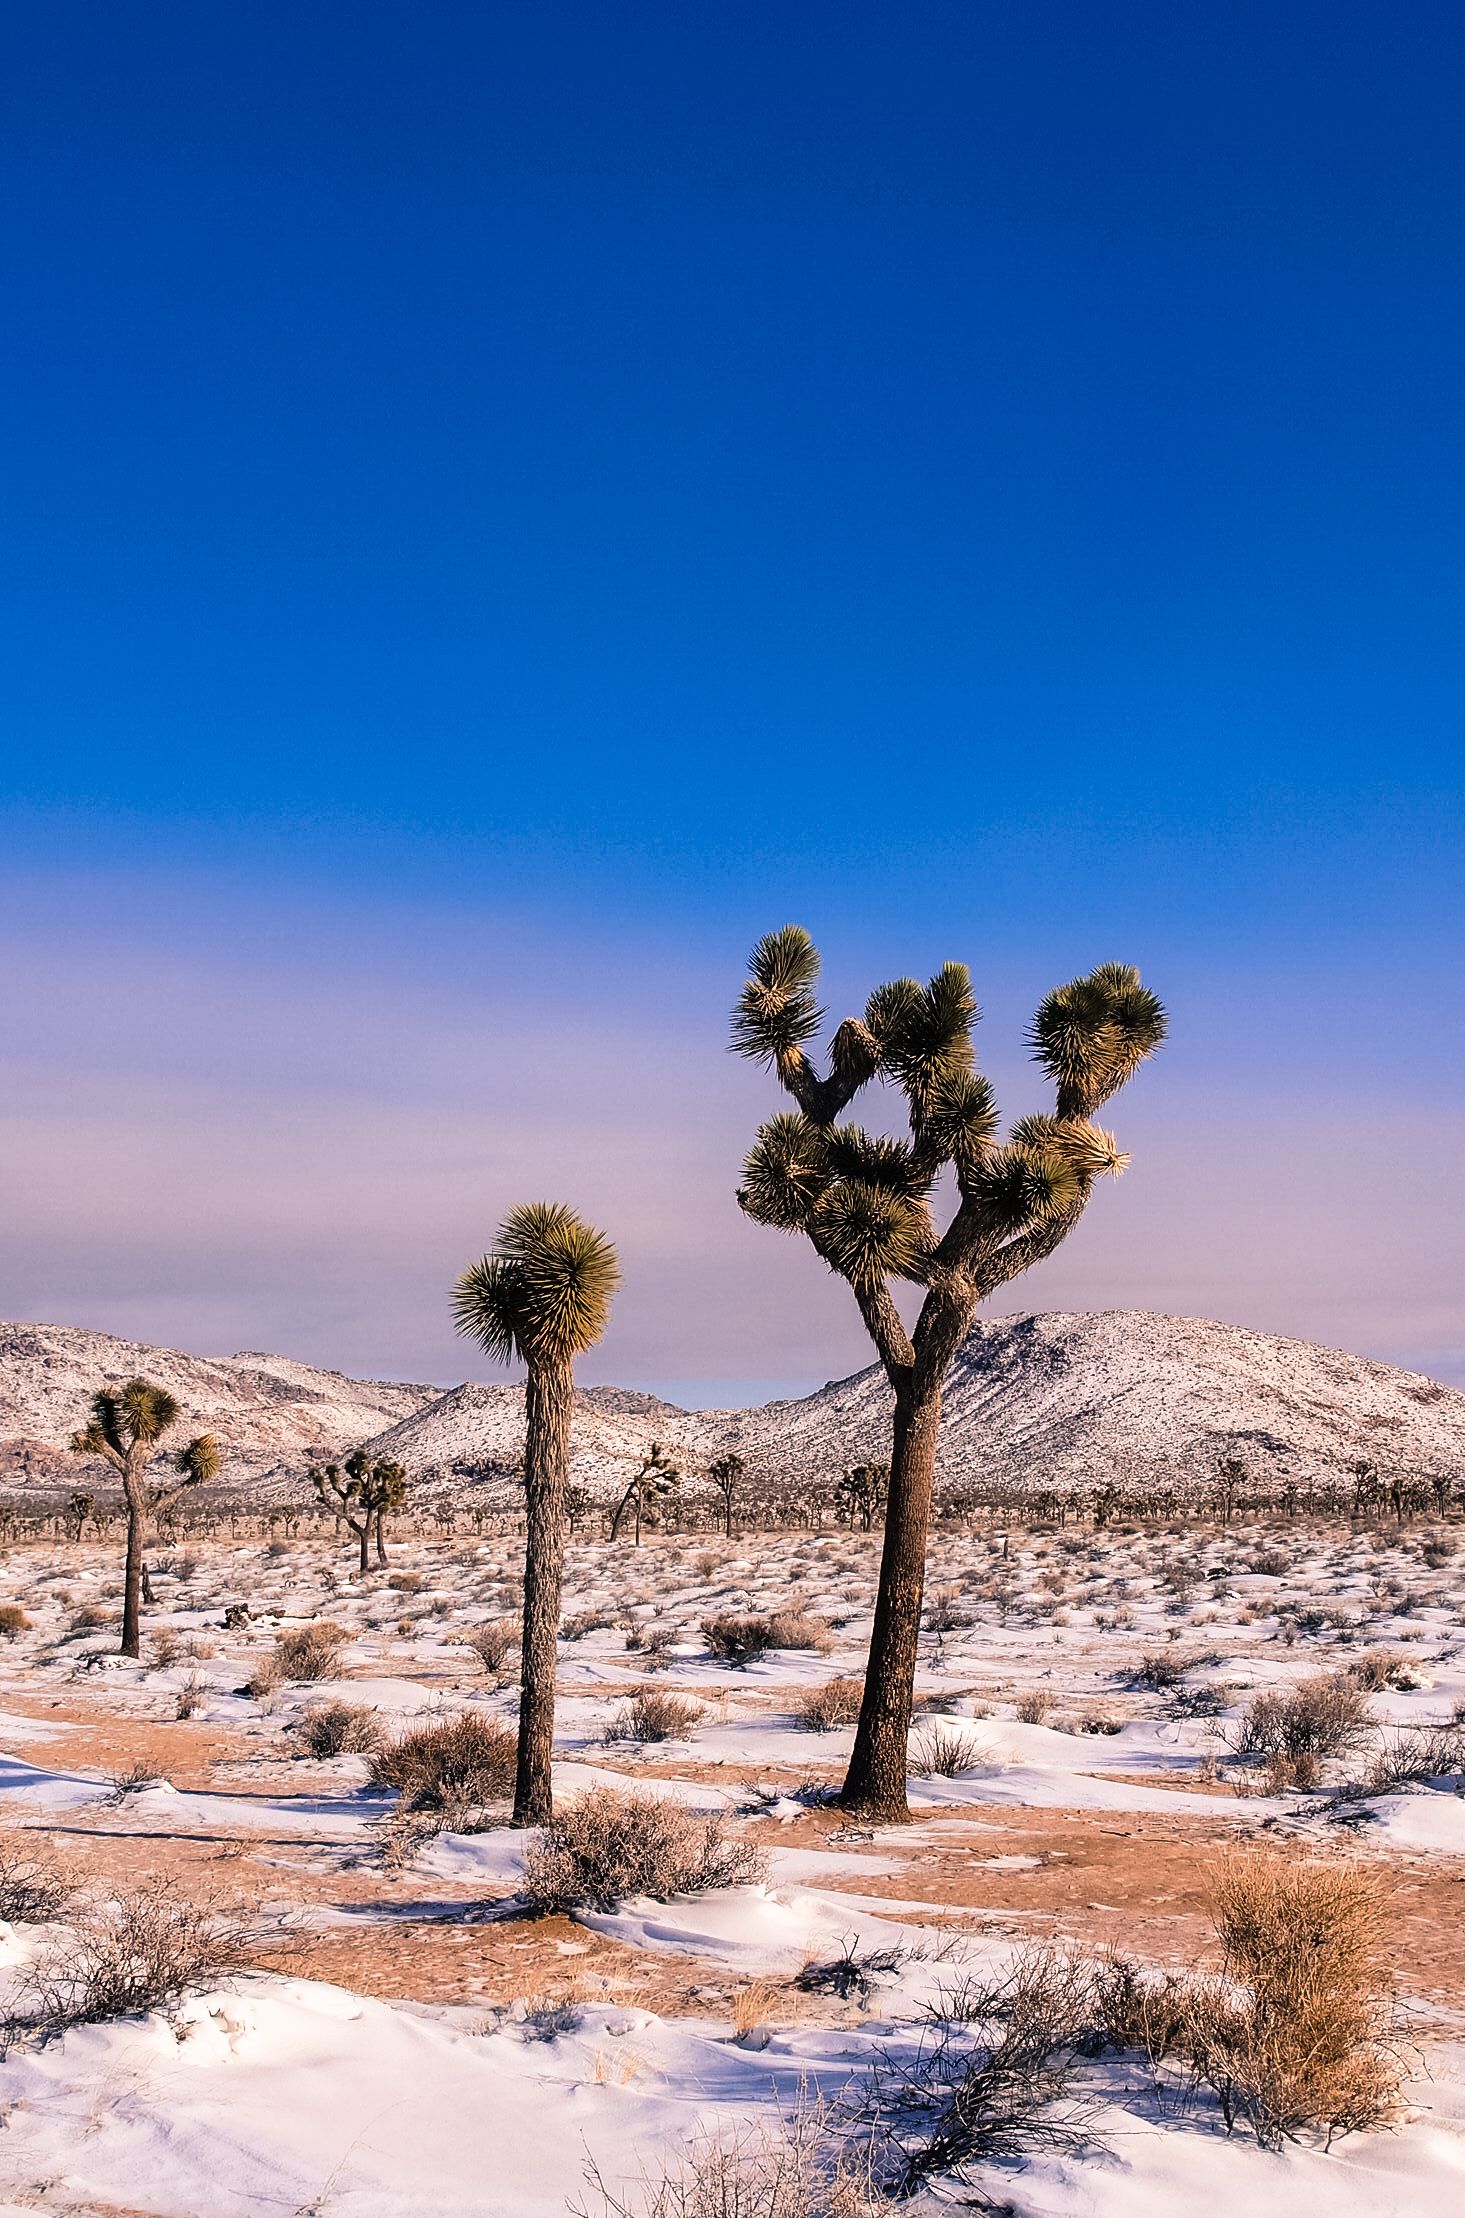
x=395 y=2049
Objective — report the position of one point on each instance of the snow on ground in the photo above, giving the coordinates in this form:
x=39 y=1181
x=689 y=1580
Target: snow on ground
x=1093 y=1686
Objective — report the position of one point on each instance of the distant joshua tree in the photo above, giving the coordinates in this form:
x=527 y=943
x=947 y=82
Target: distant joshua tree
x=126 y=1430
x=864 y=1202
x=360 y=1492
x=651 y=1486
x=725 y=1477
x=543 y=1295
x=861 y=1493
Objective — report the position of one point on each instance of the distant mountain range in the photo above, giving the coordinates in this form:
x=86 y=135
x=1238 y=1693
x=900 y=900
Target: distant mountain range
x=1050 y=1402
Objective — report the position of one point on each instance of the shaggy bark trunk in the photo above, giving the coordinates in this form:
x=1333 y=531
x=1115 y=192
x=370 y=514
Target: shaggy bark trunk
x=363 y=1535
x=547 y=1400
x=381 y=1545
x=875 y=1782
x=132 y=1583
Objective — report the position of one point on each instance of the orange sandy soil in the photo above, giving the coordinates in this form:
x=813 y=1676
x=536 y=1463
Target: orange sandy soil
x=1134 y=1881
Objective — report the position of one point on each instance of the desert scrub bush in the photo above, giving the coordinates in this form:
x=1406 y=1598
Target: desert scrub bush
x=193 y=1692
x=1158 y=1672
x=943 y=1751
x=794 y=2169
x=89 y=1619
x=586 y=1621
x=301 y=1655
x=1413 y=1756
x=1297 y=2031
x=164 y=1648
x=34 y=1885
x=1381 y=1669
x=607 y=1846
x=13 y=1620
x=454 y=1763
x=495 y=1644
x=1033 y=1706
x=993 y=2078
x=405 y=1582
x=742 y=1640
x=1296 y=1731
x=652 y=1715
x=338 y=1729
x=944 y=1612
x=144 y=1950
x=824 y=1709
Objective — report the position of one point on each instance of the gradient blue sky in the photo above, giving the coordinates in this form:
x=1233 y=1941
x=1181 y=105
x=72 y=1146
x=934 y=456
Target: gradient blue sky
x=503 y=504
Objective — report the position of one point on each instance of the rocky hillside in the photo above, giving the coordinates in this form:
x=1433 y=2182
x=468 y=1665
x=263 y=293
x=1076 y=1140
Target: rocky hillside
x=266 y=1411
x=1041 y=1402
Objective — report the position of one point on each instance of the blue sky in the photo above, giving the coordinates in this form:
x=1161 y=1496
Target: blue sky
x=503 y=505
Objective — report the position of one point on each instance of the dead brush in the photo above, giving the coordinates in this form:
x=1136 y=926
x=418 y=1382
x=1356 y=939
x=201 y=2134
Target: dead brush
x=453 y=1764
x=495 y=1644
x=993 y=2078
x=329 y=1729
x=940 y=1751
x=652 y=1715
x=1298 y=2031
x=1296 y=1731
x=797 y=2168
x=35 y=1887
x=606 y=1847
x=824 y=1709
x=302 y=1654
x=143 y=1950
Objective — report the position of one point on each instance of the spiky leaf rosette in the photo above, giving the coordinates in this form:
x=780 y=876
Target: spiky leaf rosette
x=867 y=1233
x=1092 y=1035
x=925 y=1034
x=544 y=1293
x=960 y=1123
x=199 y=1461
x=777 y=1010
x=888 y=1164
x=786 y=1171
x=1021 y=1186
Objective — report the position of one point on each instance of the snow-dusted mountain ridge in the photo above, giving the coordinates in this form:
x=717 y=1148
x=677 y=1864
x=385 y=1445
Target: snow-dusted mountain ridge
x=1058 y=1401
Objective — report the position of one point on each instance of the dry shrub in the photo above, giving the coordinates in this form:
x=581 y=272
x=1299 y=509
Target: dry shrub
x=1297 y=2030
x=959 y=2102
x=794 y=2169
x=944 y=1612
x=144 y=1950
x=943 y=1751
x=405 y=1582
x=1294 y=1732
x=607 y=1846
x=456 y=1763
x=799 y=1629
x=824 y=1709
x=13 y=1620
x=193 y=1693
x=35 y=1887
x=302 y=1654
x=1033 y=1706
x=339 y=1729
x=494 y=1644
x=1417 y=1755
x=651 y=1715
x=738 y=1640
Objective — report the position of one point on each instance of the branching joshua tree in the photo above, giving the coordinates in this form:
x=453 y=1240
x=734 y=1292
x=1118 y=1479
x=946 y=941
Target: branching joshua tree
x=861 y=1493
x=725 y=1477
x=360 y=1492
x=865 y=1203
x=650 y=1487
x=126 y=1429
x=542 y=1296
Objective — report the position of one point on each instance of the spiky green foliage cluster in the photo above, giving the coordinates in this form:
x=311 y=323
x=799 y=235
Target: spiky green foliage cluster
x=543 y=1293
x=364 y=1482
x=865 y=1200
x=127 y=1423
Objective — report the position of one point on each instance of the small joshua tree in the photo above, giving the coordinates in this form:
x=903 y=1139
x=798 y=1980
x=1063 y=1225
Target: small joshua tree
x=651 y=1486
x=543 y=1296
x=725 y=1476
x=865 y=1204
x=126 y=1430
x=861 y=1493
x=360 y=1492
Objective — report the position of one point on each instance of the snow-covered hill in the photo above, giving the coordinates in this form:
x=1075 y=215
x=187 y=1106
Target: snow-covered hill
x=1038 y=1402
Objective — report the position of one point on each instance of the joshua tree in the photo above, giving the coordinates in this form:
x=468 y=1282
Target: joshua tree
x=543 y=1296
x=80 y=1506
x=861 y=1492
x=361 y=1491
x=726 y=1477
x=865 y=1203
x=657 y=1478
x=127 y=1426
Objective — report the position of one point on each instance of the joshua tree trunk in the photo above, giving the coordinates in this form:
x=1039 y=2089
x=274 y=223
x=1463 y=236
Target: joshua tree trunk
x=875 y=1783
x=381 y=1545
x=547 y=1401
x=363 y=1535
x=132 y=1583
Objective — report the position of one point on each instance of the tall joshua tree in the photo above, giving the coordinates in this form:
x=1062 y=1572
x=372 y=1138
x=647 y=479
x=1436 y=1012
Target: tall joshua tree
x=543 y=1296
x=865 y=1203
x=126 y=1429
x=361 y=1492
